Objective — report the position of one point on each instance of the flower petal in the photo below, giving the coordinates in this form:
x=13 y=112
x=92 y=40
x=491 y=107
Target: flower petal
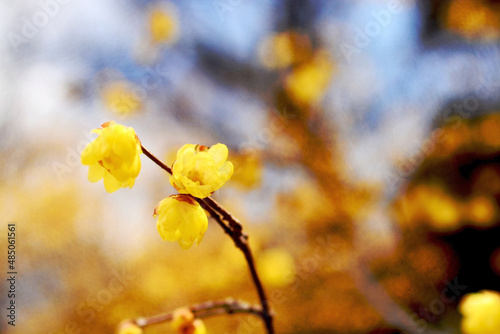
x=110 y=183
x=96 y=172
x=125 y=146
x=117 y=151
x=184 y=149
x=219 y=153
x=89 y=154
x=226 y=170
x=200 y=172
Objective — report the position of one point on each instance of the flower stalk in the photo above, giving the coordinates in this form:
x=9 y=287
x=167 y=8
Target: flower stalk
x=234 y=229
x=204 y=310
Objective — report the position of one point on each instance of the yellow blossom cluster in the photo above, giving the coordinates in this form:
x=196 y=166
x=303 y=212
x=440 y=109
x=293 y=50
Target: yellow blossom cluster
x=164 y=24
x=197 y=172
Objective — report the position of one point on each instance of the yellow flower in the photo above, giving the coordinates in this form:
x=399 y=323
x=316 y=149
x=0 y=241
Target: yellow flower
x=181 y=219
x=113 y=156
x=200 y=170
x=129 y=328
x=481 y=313
x=184 y=322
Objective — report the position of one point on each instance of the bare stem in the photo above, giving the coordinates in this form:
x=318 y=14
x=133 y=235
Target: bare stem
x=156 y=160
x=203 y=310
x=234 y=229
x=216 y=216
x=241 y=242
x=233 y=222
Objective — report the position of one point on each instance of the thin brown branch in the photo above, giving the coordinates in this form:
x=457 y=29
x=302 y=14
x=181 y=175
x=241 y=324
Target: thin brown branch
x=241 y=241
x=233 y=222
x=156 y=160
x=229 y=306
x=203 y=310
x=235 y=231
x=267 y=316
x=216 y=216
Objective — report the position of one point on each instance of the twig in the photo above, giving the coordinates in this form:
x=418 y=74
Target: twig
x=235 y=231
x=203 y=310
x=216 y=216
x=233 y=222
x=241 y=242
x=156 y=160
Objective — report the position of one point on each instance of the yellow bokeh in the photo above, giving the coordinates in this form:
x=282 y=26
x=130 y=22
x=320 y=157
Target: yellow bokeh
x=452 y=139
x=488 y=132
x=472 y=19
x=158 y=283
x=276 y=267
x=481 y=313
x=481 y=210
x=247 y=170
x=429 y=204
x=305 y=206
x=120 y=98
x=307 y=83
x=164 y=25
x=284 y=49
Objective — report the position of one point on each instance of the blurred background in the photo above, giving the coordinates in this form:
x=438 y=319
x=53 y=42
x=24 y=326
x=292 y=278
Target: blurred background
x=365 y=137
